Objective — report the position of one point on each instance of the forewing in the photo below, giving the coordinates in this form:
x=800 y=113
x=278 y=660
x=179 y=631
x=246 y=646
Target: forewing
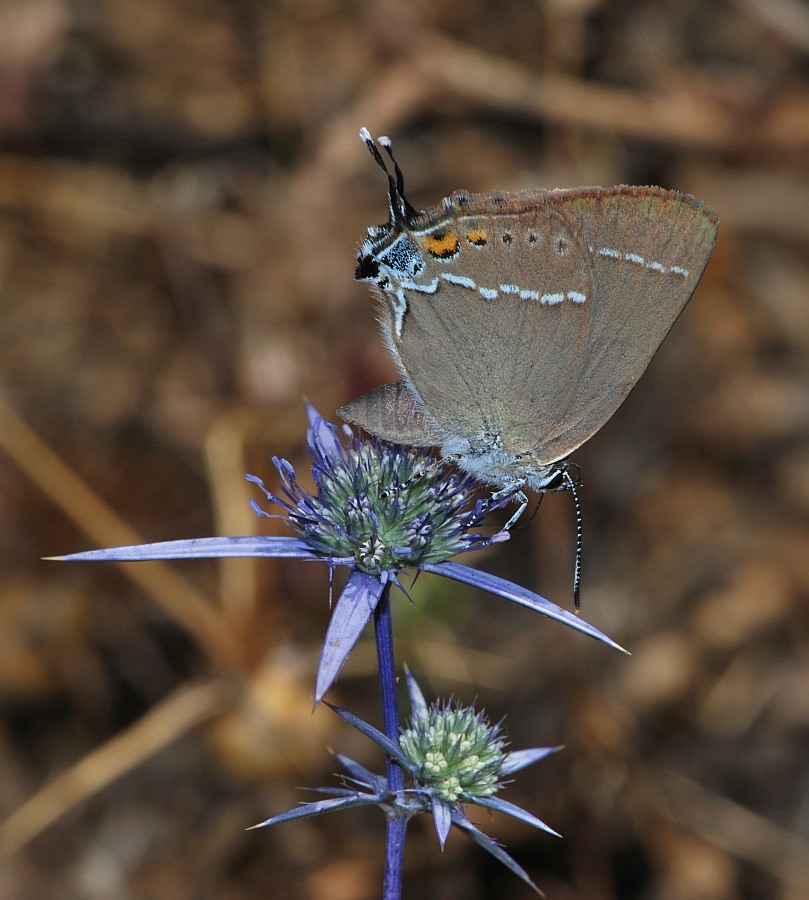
x=539 y=335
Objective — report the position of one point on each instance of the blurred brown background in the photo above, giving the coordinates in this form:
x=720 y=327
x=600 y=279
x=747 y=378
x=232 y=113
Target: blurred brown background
x=182 y=192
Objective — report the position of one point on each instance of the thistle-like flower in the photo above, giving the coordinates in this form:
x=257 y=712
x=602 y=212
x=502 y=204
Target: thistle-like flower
x=378 y=509
x=458 y=754
x=453 y=757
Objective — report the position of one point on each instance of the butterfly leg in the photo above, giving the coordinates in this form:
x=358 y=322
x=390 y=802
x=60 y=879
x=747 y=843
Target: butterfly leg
x=513 y=490
x=520 y=497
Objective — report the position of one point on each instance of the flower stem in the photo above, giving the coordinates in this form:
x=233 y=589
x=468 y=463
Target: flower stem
x=396 y=825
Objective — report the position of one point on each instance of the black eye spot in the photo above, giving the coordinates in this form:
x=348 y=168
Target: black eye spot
x=367 y=267
x=532 y=238
x=562 y=247
x=508 y=237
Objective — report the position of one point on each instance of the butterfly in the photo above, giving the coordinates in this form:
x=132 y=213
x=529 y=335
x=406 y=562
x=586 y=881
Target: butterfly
x=520 y=322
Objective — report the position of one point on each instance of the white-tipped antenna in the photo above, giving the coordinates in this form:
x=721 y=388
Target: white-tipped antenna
x=408 y=212
x=401 y=212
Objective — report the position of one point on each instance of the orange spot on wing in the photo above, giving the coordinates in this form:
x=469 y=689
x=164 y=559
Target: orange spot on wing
x=442 y=246
x=478 y=238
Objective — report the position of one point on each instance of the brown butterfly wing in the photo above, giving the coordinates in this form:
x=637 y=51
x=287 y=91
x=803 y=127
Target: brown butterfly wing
x=587 y=285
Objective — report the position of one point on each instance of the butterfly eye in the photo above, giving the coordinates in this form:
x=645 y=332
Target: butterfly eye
x=367 y=268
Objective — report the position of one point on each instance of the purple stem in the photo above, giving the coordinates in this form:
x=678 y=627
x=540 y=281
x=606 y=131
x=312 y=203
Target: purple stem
x=396 y=825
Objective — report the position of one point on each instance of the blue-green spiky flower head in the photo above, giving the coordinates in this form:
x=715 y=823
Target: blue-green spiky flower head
x=383 y=507
x=458 y=754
